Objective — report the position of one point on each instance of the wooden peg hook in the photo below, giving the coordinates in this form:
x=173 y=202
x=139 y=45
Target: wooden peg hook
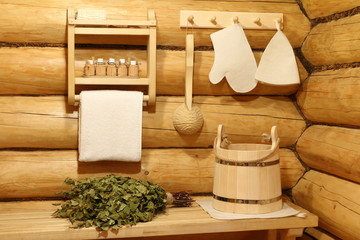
x=278 y=23
x=257 y=21
x=191 y=19
x=236 y=19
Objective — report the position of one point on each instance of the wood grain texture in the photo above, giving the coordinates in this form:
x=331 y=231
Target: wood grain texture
x=318 y=233
x=334 y=150
x=45 y=20
x=173 y=169
x=44 y=122
x=335 y=201
x=332 y=97
x=175 y=221
x=315 y=8
x=334 y=42
x=46 y=72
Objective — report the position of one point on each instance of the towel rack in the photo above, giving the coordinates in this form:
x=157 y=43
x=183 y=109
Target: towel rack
x=118 y=27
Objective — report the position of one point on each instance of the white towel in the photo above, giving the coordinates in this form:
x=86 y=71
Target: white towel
x=110 y=125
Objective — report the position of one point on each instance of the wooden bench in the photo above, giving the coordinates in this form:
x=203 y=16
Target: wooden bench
x=32 y=220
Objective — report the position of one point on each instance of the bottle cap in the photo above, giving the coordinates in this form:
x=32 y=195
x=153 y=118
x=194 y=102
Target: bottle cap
x=122 y=61
x=90 y=61
x=132 y=62
x=100 y=60
x=111 y=60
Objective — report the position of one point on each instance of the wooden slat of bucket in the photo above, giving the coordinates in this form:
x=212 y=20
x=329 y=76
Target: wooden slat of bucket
x=236 y=183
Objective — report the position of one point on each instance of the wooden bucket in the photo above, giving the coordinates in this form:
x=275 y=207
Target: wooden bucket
x=247 y=176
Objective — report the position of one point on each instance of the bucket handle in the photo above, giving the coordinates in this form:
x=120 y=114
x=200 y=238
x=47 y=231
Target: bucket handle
x=222 y=137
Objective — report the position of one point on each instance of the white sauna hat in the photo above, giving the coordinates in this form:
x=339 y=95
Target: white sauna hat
x=278 y=65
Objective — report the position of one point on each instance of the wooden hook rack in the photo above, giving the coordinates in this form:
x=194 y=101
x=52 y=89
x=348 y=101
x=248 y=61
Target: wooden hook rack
x=118 y=27
x=213 y=19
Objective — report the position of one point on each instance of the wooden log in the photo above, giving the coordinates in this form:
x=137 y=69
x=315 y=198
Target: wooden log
x=45 y=73
x=46 y=122
x=332 y=149
x=45 y=20
x=334 y=42
x=174 y=169
x=332 y=96
x=335 y=201
x=315 y=9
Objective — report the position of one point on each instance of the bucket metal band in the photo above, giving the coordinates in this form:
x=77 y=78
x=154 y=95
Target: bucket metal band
x=247 y=201
x=247 y=164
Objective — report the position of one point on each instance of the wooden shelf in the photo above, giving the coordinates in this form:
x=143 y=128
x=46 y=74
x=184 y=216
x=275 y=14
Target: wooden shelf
x=112 y=27
x=111 y=81
x=112 y=31
x=144 y=23
x=32 y=220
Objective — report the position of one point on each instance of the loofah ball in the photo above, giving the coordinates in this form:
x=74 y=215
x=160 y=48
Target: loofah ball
x=187 y=122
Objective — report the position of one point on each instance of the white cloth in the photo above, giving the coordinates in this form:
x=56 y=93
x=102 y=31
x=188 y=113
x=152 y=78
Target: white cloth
x=234 y=59
x=286 y=211
x=278 y=64
x=110 y=125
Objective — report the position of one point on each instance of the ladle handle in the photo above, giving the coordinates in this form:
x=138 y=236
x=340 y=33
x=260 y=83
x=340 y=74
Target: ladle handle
x=189 y=70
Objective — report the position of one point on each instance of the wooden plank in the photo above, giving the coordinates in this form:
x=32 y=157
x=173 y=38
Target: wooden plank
x=71 y=58
x=45 y=20
x=334 y=150
x=319 y=234
x=169 y=223
x=173 y=169
x=315 y=9
x=45 y=73
x=334 y=42
x=332 y=97
x=253 y=235
x=221 y=19
x=110 y=81
x=47 y=122
x=137 y=23
x=111 y=31
x=334 y=200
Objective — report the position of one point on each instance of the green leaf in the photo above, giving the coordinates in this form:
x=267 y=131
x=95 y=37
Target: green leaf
x=110 y=202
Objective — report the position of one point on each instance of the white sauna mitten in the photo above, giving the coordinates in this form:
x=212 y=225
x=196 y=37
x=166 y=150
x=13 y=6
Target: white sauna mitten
x=278 y=64
x=234 y=59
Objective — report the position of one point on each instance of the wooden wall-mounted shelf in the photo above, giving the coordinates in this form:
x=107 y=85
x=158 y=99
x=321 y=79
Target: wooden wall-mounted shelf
x=213 y=19
x=118 y=27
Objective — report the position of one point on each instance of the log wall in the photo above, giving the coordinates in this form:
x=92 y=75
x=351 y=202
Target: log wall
x=334 y=200
x=316 y=9
x=333 y=42
x=329 y=99
x=45 y=20
x=40 y=131
x=334 y=150
x=332 y=96
x=47 y=122
x=37 y=78
x=173 y=169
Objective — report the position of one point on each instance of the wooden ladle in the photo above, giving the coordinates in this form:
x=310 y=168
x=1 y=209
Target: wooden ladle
x=188 y=119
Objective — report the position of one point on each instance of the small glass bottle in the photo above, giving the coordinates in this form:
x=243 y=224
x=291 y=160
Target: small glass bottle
x=111 y=70
x=100 y=67
x=89 y=69
x=133 y=69
x=123 y=69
